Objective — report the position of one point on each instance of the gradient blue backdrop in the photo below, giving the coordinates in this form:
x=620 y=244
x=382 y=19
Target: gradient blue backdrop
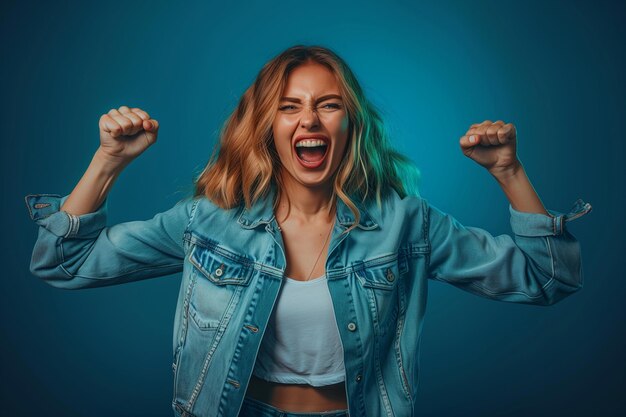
x=554 y=69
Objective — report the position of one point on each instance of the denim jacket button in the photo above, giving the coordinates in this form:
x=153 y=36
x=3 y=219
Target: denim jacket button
x=390 y=275
x=358 y=378
x=351 y=327
x=219 y=272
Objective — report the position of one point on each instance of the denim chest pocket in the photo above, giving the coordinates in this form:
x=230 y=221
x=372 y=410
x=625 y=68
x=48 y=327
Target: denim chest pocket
x=382 y=273
x=380 y=281
x=219 y=279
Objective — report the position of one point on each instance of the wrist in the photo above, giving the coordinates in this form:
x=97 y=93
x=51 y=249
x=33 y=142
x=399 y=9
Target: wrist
x=108 y=164
x=508 y=174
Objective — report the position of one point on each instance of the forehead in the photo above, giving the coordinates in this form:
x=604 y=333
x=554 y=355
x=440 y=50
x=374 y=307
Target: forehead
x=311 y=79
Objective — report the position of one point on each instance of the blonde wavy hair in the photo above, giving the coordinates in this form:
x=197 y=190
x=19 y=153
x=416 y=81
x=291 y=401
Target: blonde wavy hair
x=244 y=164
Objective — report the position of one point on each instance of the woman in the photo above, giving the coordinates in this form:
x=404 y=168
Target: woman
x=306 y=248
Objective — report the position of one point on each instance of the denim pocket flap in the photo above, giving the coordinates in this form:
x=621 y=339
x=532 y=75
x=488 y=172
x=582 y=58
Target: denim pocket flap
x=221 y=267
x=382 y=275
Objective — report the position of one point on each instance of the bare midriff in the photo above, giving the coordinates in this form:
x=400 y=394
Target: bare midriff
x=298 y=397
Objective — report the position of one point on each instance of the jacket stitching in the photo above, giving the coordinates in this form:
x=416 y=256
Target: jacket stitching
x=552 y=260
x=228 y=311
x=102 y=277
x=399 y=330
x=185 y=324
x=192 y=214
x=492 y=293
x=31 y=196
x=216 y=248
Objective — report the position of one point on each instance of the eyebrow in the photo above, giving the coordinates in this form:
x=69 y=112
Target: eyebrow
x=297 y=100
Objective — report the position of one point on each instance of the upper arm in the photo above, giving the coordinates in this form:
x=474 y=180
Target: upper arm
x=540 y=264
x=81 y=251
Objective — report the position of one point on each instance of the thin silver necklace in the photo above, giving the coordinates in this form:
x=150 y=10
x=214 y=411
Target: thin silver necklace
x=321 y=250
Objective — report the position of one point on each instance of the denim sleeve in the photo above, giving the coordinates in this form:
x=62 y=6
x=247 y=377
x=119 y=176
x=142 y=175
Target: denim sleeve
x=74 y=252
x=541 y=264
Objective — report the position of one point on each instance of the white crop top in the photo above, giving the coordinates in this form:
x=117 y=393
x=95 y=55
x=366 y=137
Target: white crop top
x=301 y=344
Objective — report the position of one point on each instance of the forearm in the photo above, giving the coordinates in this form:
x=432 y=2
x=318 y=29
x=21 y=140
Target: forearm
x=519 y=191
x=94 y=185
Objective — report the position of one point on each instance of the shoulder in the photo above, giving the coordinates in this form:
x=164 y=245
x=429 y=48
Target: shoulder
x=203 y=212
x=394 y=203
x=400 y=212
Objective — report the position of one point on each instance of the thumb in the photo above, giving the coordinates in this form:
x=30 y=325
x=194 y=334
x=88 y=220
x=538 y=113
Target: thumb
x=151 y=125
x=469 y=141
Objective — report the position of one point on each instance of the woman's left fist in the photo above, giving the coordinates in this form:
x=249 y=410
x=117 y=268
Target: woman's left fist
x=492 y=145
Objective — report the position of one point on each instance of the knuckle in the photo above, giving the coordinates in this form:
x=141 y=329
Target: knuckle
x=141 y=115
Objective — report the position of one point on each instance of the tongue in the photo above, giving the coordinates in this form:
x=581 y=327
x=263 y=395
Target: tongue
x=314 y=154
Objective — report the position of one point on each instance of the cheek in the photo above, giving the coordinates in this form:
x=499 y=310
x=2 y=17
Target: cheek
x=345 y=126
x=282 y=137
x=342 y=134
x=339 y=125
x=282 y=148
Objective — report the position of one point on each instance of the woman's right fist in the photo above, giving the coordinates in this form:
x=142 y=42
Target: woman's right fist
x=125 y=133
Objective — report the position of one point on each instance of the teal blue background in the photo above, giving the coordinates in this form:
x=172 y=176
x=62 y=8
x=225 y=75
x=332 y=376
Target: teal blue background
x=554 y=69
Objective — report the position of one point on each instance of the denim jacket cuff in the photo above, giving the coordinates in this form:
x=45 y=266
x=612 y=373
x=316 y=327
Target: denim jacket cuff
x=44 y=209
x=538 y=224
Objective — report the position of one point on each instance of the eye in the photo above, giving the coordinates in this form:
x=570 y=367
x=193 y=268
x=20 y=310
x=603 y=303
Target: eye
x=327 y=106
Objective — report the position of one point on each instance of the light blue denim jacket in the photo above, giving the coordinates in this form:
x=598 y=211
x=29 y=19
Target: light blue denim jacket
x=233 y=263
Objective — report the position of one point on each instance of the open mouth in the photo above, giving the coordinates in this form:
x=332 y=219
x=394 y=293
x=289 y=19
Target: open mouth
x=311 y=152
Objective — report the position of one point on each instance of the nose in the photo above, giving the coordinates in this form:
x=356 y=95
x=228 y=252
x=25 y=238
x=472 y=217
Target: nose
x=309 y=118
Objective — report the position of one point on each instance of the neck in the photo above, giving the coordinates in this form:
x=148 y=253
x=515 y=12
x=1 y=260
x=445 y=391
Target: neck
x=303 y=203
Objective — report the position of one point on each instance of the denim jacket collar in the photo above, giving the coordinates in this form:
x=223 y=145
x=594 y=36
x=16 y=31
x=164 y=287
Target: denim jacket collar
x=262 y=212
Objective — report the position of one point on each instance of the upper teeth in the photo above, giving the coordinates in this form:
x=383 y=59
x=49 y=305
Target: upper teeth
x=310 y=143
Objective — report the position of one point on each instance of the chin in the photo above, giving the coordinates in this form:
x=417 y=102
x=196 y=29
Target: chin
x=309 y=179
x=314 y=181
